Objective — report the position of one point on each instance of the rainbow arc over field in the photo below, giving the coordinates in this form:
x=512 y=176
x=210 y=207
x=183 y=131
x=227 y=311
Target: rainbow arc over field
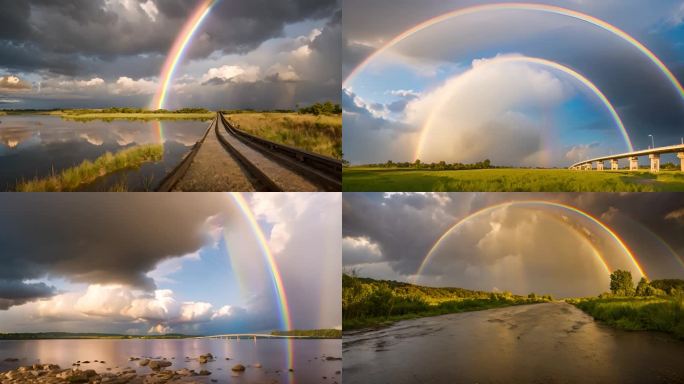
x=540 y=203
x=178 y=49
x=276 y=278
x=524 y=7
x=535 y=60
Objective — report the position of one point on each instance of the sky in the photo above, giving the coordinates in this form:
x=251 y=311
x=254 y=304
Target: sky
x=515 y=113
x=263 y=54
x=143 y=264
x=516 y=242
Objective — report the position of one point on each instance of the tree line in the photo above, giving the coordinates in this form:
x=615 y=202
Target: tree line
x=438 y=166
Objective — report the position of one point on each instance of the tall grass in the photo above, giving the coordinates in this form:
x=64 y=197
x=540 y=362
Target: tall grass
x=72 y=178
x=320 y=134
x=513 y=180
x=662 y=313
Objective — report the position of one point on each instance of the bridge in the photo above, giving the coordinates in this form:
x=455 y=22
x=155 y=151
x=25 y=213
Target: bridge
x=653 y=154
x=229 y=159
x=252 y=336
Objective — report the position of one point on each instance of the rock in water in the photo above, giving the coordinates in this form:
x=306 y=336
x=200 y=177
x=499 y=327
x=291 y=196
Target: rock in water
x=239 y=368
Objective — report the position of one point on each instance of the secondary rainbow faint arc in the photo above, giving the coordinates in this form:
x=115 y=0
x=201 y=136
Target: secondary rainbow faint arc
x=503 y=59
x=178 y=50
x=430 y=253
x=528 y=7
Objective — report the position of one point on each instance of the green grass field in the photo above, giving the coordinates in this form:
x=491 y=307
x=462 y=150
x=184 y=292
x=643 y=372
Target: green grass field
x=364 y=179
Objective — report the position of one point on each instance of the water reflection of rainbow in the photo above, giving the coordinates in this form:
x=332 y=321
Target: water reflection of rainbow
x=279 y=290
x=158 y=130
x=534 y=60
x=541 y=203
x=524 y=7
x=178 y=50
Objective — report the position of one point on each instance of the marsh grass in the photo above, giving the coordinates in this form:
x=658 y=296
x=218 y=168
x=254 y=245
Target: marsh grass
x=320 y=134
x=513 y=180
x=72 y=178
x=85 y=117
x=662 y=313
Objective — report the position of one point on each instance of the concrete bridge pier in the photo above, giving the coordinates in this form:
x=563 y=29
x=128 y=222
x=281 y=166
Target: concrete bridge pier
x=587 y=167
x=614 y=165
x=599 y=165
x=655 y=162
x=633 y=163
x=680 y=155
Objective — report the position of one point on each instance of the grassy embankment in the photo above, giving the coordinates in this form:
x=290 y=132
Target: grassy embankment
x=497 y=180
x=312 y=333
x=320 y=134
x=111 y=114
x=653 y=306
x=369 y=303
x=72 y=178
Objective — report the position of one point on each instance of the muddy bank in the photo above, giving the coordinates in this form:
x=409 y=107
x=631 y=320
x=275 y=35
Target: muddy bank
x=543 y=343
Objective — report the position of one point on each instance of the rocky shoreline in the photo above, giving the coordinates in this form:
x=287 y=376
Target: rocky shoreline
x=158 y=371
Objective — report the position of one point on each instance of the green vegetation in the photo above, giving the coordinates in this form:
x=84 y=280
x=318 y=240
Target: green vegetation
x=326 y=108
x=110 y=114
x=368 y=302
x=441 y=166
x=646 y=307
x=320 y=134
x=498 y=180
x=72 y=178
x=312 y=333
x=66 y=335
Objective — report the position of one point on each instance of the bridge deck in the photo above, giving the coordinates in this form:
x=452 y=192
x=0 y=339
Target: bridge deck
x=214 y=170
x=654 y=151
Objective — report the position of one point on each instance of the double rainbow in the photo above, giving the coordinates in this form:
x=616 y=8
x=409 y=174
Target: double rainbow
x=524 y=7
x=542 y=203
x=276 y=278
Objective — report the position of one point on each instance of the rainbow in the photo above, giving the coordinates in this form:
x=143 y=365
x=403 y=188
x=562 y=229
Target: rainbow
x=276 y=278
x=552 y=64
x=178 y=49
x=524 y=7
x=618 y=240
x=159 y=130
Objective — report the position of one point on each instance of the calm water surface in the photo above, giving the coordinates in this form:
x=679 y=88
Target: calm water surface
x=307 y=355
x=34 y=145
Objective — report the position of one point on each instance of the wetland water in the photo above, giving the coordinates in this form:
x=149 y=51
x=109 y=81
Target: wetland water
x=309 y=363
x=35 y=145
x=541 y=343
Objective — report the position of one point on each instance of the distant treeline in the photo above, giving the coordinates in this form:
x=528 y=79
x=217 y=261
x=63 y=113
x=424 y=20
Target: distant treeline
x=67 y=335
x=368 y=302
x=313 y=333
x=656 y=305
x=134 y=110
x=327 y=108
x=439 y=166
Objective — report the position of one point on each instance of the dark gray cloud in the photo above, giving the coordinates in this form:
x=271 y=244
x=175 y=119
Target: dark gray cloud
x=403 y=227
x=17 y=292
x=103 y=239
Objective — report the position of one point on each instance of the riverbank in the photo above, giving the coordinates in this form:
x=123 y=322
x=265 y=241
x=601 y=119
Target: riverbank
x=369 y=303
x=652 y=313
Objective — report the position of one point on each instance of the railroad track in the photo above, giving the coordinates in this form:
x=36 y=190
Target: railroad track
x=262 y=164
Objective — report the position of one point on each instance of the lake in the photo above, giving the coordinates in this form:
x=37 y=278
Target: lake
x=309 y=365
x=35 y=145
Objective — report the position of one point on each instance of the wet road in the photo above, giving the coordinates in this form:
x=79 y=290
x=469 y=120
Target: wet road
x=543 y=343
